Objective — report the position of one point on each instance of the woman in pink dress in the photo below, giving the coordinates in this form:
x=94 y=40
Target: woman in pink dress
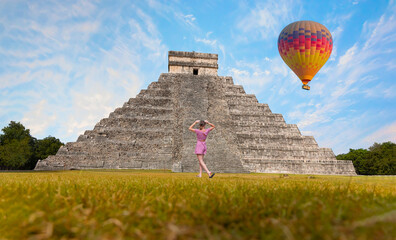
x=200 y=148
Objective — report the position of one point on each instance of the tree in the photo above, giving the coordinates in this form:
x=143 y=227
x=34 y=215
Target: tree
x=385 y=157
x=19 y=150
x=14 y=130
x=379 y=159
x=15 y=154
x=16 y=146
x=45 y=147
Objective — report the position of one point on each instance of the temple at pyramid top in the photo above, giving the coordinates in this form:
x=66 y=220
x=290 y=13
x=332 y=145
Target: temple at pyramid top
x=192 y=63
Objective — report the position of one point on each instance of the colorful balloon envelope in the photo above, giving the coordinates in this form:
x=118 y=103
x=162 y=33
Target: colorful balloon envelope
x=305 y=46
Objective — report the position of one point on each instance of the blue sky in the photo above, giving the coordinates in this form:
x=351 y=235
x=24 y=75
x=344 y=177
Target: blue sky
x=64 y=65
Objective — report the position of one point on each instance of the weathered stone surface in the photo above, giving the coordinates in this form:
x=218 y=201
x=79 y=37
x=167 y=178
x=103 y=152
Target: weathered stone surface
x=187 y=62
x=151 y=131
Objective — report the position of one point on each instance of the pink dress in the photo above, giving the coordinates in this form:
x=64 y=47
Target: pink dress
x=201 y=144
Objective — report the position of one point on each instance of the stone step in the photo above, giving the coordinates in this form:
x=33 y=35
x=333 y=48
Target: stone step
x=238 y=89
x=125 y=135
x=161 y=84
x=258 y=158
x=117 y=144
x=278 y=146
x=304 y=166
x=56 y=162
x=268 y=135
x=240 y=95
x=111 y=147
x=136 y=122
x=241 y=98
x=248 y=105
x=309 y=140
x=288 y=160
x=237 y=113
x=141 y=132
x=151 y=101
x=257 y=117
x=263 y=132
x=225 y=80
x=148 y=131
x=249 y=112
x=265 y=124
x=281 y=153
x=118 y=160
x=137 y=118
x=273 y=141
x=258 y=107
x=229 y=80
x=124 y=156
x=155 y=92
x=148 y=111
x=169 y=78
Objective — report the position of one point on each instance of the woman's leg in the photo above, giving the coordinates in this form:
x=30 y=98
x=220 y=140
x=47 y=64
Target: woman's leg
x=203 y=165
x=200 y=168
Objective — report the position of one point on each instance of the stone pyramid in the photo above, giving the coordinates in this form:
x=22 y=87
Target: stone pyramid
x=150 y=131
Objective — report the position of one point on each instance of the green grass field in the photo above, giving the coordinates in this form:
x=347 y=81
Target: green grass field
x=164 y=205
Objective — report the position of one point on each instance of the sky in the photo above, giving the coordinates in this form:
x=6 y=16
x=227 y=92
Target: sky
x=64 y=65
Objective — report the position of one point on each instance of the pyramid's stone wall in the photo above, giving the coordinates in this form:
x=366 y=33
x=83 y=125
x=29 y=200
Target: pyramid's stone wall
x=151 y=132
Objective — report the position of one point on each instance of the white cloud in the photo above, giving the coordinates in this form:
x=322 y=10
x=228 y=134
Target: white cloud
x=64 y=80
x=38 y=119
x=341 y=133
x=381 y=91
x=189 y=18
x=348 y=57
x=55 y=61
x=207 y=41
x=337 y=22
x=214 y=44
x=148 y=23
x=258 y=76
x=169 y=9
x=58 y=11
x=383 y=34
x=268 y=18
x=385 y=134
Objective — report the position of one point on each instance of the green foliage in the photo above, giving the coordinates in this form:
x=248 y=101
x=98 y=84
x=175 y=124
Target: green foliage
x=47 y=146
x=162 y=205
x=14 y=131
x=379 y=159
x=16 y=146
x=15 y=153
x=19 y=150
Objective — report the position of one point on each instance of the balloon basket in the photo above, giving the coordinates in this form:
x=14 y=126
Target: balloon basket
x=306 y=87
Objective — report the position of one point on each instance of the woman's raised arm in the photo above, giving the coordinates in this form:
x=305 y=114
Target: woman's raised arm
x=212 y=125
x=192 y=125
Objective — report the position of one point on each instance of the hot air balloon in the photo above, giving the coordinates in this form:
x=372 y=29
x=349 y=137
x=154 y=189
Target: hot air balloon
x=305 y=46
